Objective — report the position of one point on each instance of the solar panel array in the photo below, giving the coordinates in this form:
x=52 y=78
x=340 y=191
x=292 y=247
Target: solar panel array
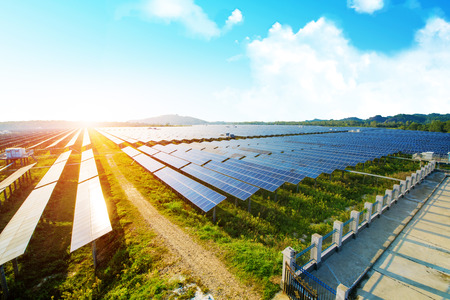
x=200 y=132
x=58 y=141
x=73 y=139
x=268 y=163
x=234 y=187
x=86 y=138
x=91 y=219
x=14 y=176
x=200 y=195
x=16 y=235
x=55 y=170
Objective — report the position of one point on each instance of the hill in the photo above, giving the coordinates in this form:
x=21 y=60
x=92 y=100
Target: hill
x=171 y=120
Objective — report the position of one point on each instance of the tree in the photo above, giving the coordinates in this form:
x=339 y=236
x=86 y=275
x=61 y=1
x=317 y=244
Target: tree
x=436 y=126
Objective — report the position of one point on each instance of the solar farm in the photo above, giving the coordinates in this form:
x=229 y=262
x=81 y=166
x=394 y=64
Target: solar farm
x=69 y=227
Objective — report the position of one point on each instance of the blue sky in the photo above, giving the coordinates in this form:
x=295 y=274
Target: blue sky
x=223 y=60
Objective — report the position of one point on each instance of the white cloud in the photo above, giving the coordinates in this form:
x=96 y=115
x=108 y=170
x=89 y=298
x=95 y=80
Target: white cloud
x=317 y=73
x=365 y=6
x=235 y=18
x=187 y=13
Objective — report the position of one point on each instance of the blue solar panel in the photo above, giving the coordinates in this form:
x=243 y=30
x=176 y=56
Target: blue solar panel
x=268 y=171
x=149 y=163
x=171 y=160
x=262 y=181
x=234 y=187
x=191 y=156
x=200 y=195
x=148 y=150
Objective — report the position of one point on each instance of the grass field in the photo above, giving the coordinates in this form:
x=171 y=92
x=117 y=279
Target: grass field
x=131 y=260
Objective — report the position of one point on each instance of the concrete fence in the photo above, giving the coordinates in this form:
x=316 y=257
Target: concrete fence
x=357 y=222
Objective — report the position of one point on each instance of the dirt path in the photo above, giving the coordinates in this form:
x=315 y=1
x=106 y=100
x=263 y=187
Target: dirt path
x=202 y=263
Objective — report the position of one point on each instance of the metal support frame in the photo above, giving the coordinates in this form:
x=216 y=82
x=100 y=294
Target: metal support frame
x=15 y=268
x=3 y=282
x=94 y=254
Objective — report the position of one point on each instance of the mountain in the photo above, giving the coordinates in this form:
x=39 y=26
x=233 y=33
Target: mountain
x=417 y=118
x=171 y=120
x=353 y=119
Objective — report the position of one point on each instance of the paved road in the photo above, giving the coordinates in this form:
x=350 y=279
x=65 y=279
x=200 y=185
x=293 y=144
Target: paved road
x=357 y=255
x=417 y=264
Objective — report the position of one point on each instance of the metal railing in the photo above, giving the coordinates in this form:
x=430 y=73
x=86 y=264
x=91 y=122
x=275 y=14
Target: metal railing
x=323 y=290
x=375 y=208
x=327 y=240
x=346 y=227
x=300 y=257
x=296 y=288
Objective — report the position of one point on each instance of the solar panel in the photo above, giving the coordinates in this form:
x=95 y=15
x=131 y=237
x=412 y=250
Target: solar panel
x=17 y=234
x=148 y=150
x=60 y=140
x=234 y=187
x=149 y=163
x=191 y=156
x=73 y=139
x=260 y=180
x=63 y=157
x=53 y=173
x=86 y=139
x=14 y=176
x=130 y=151
x=198 y=194
x=88 y=154
x=88 y=169
x=162 y=148
x=91 y=219
x=171 y=160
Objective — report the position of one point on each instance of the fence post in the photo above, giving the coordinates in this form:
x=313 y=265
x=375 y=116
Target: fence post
x=342 y=292
x=316 y=252
x=419 y=176
x=389 y=198
x=403 y=187
x=354 y=224
x=379 y=199
x=337 y=235
x=396 y=192
x=413 y=180
x=408 y=184
x=368 y=206
x=288 y=258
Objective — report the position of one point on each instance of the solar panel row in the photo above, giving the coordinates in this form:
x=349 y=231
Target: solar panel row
x=234 y=187
x=16 y=235
x=91 y=219
x=200 y=195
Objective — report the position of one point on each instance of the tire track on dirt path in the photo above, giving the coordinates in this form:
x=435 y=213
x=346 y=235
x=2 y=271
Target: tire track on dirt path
x=201 y=262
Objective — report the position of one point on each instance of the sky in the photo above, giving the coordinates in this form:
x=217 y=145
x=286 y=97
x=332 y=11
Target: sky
x=223 y=60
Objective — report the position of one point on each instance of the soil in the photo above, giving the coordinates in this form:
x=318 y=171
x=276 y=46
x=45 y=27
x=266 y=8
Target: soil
x=198 y=261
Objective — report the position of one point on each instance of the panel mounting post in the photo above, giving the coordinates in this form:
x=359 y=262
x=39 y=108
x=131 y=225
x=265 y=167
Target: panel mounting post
x=3 y=282
x=16 y=268
x=94 y=254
